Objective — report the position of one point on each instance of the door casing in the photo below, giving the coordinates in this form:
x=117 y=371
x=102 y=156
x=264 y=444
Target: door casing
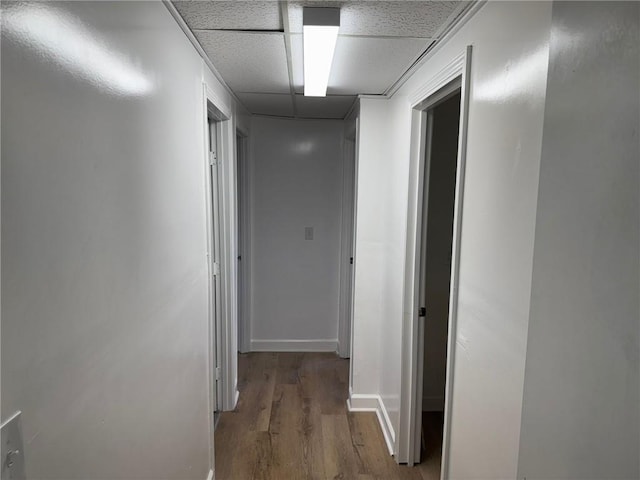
x=452 y=77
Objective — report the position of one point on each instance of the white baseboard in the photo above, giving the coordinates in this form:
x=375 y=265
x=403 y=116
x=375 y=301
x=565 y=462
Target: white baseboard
x=211 y=475
x=235 y=398
x=358 y=402
x=294 y=345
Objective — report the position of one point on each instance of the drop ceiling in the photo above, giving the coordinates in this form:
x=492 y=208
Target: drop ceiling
x=257 y=48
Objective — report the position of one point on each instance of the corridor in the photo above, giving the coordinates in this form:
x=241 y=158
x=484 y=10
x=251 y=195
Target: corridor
x=180 y=213
x=291 y=422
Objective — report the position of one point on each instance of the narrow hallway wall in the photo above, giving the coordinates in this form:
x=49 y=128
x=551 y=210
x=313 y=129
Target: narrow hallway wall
x=104 y=274
x=296 y=183
x=581 y=410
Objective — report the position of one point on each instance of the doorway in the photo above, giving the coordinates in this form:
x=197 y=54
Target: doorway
x=242 y=192
x=428 y=118
x=438 y=210
x=347 y=247
x=214 y=254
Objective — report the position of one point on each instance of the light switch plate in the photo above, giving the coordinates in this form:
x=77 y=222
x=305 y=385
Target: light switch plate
x=308 y=233
x=12 y=452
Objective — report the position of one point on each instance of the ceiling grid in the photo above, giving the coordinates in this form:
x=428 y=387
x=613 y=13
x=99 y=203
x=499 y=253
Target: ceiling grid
x=256 y=45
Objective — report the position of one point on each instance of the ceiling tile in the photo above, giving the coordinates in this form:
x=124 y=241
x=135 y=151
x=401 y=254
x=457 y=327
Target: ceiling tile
x=267 y=104
x=371 y=65
x=362 y=65
x=230 y=15
x=297 y=59
x=249 y=62
x=383 y=18
x=323 y=107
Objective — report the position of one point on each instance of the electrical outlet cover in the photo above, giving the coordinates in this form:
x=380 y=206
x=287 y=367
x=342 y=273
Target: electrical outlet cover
x=308 y=233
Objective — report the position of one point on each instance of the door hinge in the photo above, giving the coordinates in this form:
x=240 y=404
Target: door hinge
x=217 y=373
x=216 y=269
x=213 y=158
x=351 y=261
x=422 y=312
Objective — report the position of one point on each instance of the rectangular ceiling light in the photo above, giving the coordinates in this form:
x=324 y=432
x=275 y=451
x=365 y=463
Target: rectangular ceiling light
x=320 y=32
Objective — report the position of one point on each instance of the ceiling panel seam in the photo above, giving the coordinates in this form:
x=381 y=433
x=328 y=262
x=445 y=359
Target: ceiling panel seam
x=329 y=95
x=240 y=30
x=203 y=55
x=454 y=23
x=381 y=37
x=284 y=14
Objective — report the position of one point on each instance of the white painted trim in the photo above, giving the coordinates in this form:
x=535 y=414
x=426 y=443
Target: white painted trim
x=211 y=475
x=359 y=402
x=228 y=260
x=294 y=345
x=237 y=397
x=410 y=399
x=217 y=101
x=385 y=424
x=352 y=113
x=444 y=37
x=355 y=233
x=211 y=340
x=227 y=343
x=455 y=260
x=441 y=78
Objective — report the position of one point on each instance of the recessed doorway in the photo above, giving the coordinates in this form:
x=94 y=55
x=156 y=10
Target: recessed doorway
x=438 y=199
x=438 y=153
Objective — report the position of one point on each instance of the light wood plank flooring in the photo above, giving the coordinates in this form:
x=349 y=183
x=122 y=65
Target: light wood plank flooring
x=291 y=422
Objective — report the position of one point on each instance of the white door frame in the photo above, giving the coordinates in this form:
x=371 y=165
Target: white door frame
x=347 y=243
x=224 y=346
x=410 y=405
x=244 y=235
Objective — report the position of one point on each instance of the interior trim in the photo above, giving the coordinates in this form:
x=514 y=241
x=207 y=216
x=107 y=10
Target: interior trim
x=319 y=345
x=360 y=402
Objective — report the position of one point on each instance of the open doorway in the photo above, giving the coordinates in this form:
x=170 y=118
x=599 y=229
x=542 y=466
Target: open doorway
x=438 y=202
x=347 y=247
x=434 y=220
x=242 y=242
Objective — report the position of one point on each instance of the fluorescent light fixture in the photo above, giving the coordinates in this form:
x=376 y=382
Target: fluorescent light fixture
x=320 y=32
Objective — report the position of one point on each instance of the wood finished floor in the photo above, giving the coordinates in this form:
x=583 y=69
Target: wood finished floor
x=291 y=422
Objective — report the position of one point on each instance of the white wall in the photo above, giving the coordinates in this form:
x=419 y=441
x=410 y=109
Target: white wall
x=104 y=273
x=380 y=232
x=296 y=182
x=508 y=82
x=581 y=413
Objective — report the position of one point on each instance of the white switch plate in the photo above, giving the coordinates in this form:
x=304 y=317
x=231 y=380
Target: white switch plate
x=308 y=233
x=12 y=452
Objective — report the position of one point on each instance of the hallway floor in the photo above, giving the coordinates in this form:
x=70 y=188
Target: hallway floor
x=291 y=422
